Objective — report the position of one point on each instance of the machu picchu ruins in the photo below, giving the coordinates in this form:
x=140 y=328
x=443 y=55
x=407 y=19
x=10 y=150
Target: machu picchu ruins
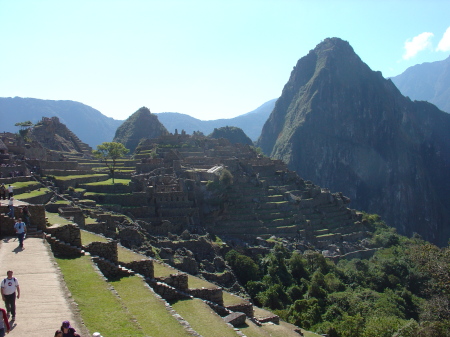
x=172 y=198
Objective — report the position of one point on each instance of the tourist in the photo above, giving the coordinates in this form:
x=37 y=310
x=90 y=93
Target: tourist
x=2 y=191
x=58 y=333
x=11 y=208
x=67 y=330
x=20 y=229
x=9 y=286
x=10 y=191
x=26 y=215
x=4 y=323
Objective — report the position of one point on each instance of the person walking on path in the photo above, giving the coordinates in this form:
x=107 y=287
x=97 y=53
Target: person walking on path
x=67 y=330
x=26 y=215
x=4 y=324
x=2 y=191
x=20 y=229
x=10 y=191
x=11 y=208
x=9 y=286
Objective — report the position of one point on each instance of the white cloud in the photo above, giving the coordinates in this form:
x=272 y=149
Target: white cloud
x=417 y=44
x=444 y=44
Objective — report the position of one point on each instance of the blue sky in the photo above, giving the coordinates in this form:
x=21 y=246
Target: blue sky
x=209 y=59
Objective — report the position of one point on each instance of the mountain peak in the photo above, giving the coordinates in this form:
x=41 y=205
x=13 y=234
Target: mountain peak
x=141 y=124
x=345 y=127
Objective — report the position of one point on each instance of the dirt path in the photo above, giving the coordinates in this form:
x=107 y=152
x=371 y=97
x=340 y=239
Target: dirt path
x=43 y=302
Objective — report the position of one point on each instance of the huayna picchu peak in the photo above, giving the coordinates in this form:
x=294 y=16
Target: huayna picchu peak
x=140 y=125
x=345 y=127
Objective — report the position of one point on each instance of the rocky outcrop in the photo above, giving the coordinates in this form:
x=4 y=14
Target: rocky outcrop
x=54 y=135
x=346 y=128
x=141 y=124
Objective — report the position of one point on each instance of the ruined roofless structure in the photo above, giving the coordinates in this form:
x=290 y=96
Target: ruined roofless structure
x=180 y=187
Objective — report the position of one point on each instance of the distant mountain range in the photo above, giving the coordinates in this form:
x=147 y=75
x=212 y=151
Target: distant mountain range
x=90 y=125
x=427 y=82
x=251 y=123
x=94 y=128
x=346 y=128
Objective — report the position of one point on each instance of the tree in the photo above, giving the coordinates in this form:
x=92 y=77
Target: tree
x=24 y=128
x=108 y=153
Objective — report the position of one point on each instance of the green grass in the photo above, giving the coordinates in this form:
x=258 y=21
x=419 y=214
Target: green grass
x=32 y=194
x=88 y=237
x=99 y=308
x=54 y=218
x=149 y=311
x=109 y=182
x=197 y=283
x=30 y=184
x=126 y=255
x=231 y=299
x=62 y=202
x=163 y=270
x=203 y=319
x=64 y=178
x=250 y=329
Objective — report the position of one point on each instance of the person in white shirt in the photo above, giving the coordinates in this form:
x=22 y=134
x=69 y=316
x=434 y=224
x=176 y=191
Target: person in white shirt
x=10 y=191
x=20 y=229
x=9 y=287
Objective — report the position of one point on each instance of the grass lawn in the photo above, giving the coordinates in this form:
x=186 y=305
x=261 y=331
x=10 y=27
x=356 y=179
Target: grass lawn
x=32 y=194
x=231 y=299
x=149 y=311
x=126 y=255
x=250 y=329
x=20 y=184
x=64 y=178
x=196 y=282
x=203 y=319
x=88 y=237
x=163 y=270
x=62 y=202
x=54 y=218
x=100 y=309
x=109 y=182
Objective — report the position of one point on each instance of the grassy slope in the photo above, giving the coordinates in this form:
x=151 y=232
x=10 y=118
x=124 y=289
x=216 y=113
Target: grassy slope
x=195 y=311
x=100 y=309
x=149 y=311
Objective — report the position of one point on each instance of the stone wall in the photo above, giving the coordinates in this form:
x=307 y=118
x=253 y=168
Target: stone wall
x=107 y=250
x=37 y=219
x=245 y=307
x=162 y=228
x=110 y=269
x=143 y=267
x=167 y=292
x=69 y=233
x=62 y=249
x=59 y=165
x=73 y=213
x=99 y=227
x=178 y=281
x=38 y=216
x=214 y=295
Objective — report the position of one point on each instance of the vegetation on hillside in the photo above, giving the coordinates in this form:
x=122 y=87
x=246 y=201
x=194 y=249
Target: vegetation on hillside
x=403 y=290
x=140 y=125
x=108 y=153
x=232 y=133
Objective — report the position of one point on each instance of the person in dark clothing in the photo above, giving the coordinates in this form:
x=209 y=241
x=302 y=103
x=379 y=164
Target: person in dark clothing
x=67 y=330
